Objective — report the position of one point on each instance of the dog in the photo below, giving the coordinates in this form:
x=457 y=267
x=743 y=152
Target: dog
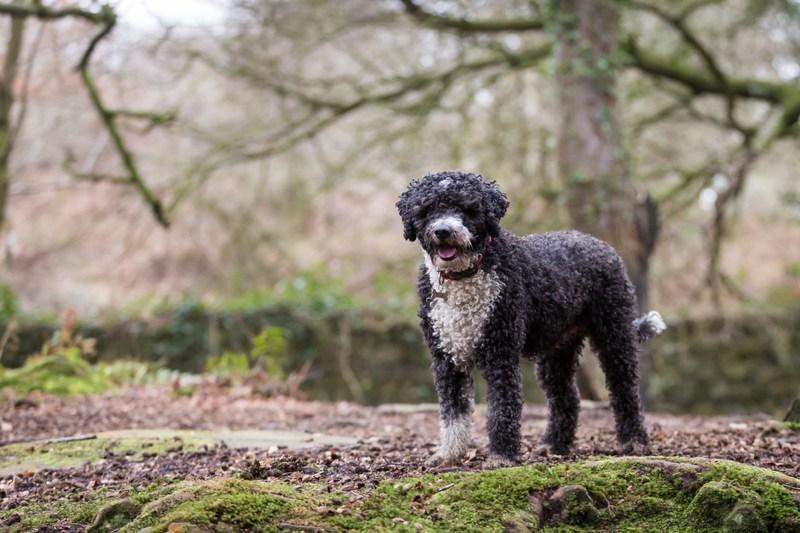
x=489 y=297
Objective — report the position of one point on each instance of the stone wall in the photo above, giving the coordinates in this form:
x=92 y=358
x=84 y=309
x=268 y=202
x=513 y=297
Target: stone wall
x=743 y=364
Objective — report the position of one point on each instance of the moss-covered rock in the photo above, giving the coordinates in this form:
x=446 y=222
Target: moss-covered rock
x=713 y=502
x=571 y=504
x=744 y=518
x=626 y=494
x=114 y=515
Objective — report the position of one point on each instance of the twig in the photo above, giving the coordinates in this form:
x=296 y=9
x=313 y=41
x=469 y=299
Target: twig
x=298 y=527
x=444 y=488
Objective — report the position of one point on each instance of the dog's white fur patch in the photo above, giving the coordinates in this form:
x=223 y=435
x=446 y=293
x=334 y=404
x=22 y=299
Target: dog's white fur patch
x=455 y=224
x=656 y=322
x=454 y=438
x=459 y=317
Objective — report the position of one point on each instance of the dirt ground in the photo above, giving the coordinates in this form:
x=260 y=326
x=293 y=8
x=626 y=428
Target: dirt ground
x=394 y=440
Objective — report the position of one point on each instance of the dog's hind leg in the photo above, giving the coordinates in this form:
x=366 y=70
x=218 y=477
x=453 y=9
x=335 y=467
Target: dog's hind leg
x=556 y=372
x=455 y=391
x=614 y=339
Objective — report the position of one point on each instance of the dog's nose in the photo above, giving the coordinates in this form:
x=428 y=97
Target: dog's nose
x=442 y=233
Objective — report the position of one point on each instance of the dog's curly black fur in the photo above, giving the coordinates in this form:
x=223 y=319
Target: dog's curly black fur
x=488 y=296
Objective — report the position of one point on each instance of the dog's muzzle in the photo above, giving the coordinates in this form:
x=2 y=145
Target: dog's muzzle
x=449 y=236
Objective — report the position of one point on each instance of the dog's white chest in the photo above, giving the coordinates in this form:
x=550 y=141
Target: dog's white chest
x=460 y=315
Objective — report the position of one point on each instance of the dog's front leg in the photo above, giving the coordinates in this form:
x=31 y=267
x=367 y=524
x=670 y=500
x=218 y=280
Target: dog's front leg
x=454 y=388
x=504 y=408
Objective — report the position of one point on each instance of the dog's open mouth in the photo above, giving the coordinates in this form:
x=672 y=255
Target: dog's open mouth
x=447 y=253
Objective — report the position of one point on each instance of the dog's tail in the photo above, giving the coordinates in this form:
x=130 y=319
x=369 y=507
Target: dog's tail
x=648 y=326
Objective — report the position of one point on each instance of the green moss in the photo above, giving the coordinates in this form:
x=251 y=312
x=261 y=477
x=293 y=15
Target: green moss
x=246 y=510
x=77 y=510
x=631 y=494
x=17 y=458
x=246 y=505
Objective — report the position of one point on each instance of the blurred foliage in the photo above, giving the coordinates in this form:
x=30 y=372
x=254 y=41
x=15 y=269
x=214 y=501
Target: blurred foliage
x=181 y=333
x=268 y=355
x=8 y=303
x=63 y=373
x=269 y=351
x=396 y=293
x=63 y=367
x=67 y=340
x=785 y=295
x=712 y=366
x=314 y=290
x=67 y=372
x=228 y=363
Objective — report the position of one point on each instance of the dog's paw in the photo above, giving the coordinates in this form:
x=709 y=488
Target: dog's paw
x=545 y=449
x=441 y=458
x=498 y=461
x=634 y=448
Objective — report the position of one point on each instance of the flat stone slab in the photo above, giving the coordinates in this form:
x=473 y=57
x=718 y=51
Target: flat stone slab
x=70 y=452
x=266 y=439
x=407 y=408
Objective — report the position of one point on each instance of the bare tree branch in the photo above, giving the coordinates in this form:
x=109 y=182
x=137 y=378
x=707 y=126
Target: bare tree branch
x=40 y=11
x=698 y=81
x=389 y=93
x=432 y=20
x=741 y=169
x=106 y=19
x=714 y=81
x=107 y=118
x=678 y=22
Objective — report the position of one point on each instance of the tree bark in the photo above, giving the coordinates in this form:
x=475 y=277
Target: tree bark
x=600 y=194
x=9 y=75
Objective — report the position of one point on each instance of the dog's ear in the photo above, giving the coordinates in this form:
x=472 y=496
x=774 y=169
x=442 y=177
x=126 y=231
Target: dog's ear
x=495 y=208
x=405 y=206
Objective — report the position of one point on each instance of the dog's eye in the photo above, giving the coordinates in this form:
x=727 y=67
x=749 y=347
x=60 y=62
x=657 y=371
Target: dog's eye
x=420 y=211
x=472 y=209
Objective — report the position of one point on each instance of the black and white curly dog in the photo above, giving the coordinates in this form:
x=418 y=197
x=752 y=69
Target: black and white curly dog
x=488 y=296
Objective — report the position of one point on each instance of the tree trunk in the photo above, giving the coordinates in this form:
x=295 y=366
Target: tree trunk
x=600 y=195
x=9 y=75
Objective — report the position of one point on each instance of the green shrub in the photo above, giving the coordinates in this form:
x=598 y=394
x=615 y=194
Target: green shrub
x=269 y=351
x=268 y=355
x=228 y=363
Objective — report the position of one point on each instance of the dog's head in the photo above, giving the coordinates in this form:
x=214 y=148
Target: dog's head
x=452 y=214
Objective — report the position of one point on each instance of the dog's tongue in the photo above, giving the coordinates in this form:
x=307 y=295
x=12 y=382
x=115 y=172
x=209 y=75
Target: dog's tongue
x=446 y=252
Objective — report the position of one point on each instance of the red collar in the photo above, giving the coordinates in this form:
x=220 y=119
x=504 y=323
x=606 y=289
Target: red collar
x=468 y=273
